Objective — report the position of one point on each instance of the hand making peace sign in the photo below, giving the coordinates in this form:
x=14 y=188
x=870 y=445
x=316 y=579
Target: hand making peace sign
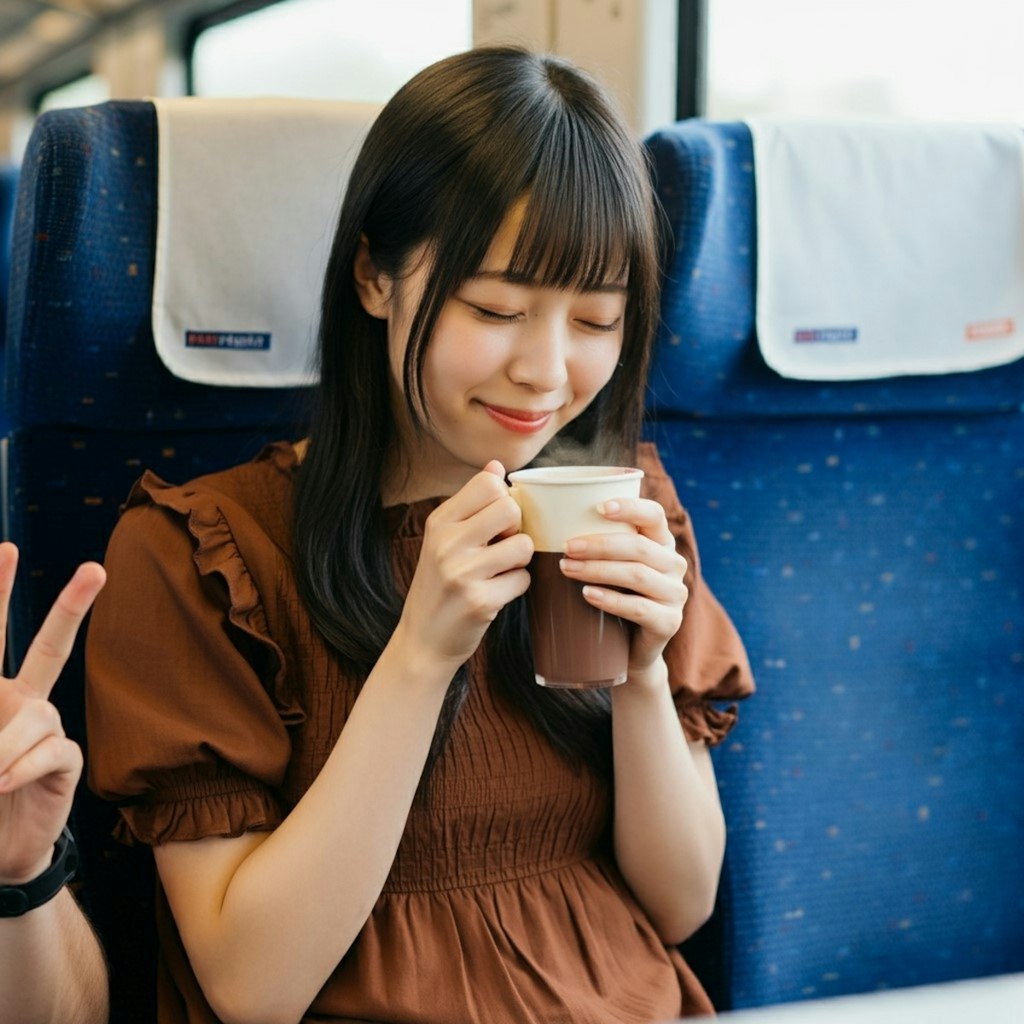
x=39 y=765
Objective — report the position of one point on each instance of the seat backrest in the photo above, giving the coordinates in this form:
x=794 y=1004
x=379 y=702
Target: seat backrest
x=8 y=194
x=92 y=407
x=866 y=538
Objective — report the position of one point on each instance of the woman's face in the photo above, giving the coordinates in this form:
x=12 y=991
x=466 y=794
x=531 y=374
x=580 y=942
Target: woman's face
x=510 y=363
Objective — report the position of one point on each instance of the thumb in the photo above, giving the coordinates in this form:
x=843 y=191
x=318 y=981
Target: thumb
x=495 y=467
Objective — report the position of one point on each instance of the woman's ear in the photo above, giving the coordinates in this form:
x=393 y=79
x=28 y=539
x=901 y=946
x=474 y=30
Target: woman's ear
x=372 y=284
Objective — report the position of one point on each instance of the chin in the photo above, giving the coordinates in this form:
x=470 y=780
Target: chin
x=512 y=453
x=522 y=456
x=512 y=464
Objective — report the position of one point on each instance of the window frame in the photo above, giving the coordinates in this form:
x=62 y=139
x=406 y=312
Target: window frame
x=691 y=63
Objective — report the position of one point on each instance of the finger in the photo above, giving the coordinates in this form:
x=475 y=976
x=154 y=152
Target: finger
x=55 y=756
x=628 y=547
x=658 y=619
x=493 y=467
x=494 y=522
x=635 y=577
x=8 y=568
x=52 y=644
x=35 y=720
x=496 y=516
x=503 y=556
x=476 y=567
x=646 y=515
x=483 y=489
x=508 y=586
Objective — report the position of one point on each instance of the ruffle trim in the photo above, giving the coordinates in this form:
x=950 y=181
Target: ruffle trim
x=228 y=813
x=217 y=553
x=702 y=720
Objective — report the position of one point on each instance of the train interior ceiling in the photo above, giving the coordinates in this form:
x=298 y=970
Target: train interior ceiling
x=861 y=524
x=119 y=43
x=74 y=52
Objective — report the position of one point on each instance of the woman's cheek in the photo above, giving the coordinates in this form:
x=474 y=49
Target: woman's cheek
x=597 y=367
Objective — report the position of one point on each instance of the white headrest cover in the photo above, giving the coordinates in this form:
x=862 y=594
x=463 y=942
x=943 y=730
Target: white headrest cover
x=248 y=198
x=888 y=248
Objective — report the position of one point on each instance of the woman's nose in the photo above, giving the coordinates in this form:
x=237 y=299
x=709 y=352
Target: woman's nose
x=539 y=359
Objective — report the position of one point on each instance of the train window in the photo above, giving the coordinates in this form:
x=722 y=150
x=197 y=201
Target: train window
x=873 y=58
x=332 y=49
x=79 y=92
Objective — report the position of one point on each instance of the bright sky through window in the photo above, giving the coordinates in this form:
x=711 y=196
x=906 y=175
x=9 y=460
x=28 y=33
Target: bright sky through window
x=866 y=58
x=329 y=49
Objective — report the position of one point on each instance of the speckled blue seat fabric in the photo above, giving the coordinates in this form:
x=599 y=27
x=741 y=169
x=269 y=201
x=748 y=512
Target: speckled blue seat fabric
x=8 y=195
x=92 y=406
x=868 y=540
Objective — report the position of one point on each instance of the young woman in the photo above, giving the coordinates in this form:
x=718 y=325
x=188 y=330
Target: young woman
x=310 y=686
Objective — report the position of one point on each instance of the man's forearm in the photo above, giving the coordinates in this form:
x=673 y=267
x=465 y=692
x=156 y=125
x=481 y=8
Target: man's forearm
x=51 y=967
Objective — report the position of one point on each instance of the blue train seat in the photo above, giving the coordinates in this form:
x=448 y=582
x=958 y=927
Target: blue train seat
x=92 y=405
x=8 y=195
x=866 y=537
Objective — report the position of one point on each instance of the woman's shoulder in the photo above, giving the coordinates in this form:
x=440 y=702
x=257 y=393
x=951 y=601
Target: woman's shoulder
x=247 y=506
x=270 y=473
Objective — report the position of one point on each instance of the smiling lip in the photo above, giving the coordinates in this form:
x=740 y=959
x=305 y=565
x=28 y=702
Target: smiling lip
x=517 y=420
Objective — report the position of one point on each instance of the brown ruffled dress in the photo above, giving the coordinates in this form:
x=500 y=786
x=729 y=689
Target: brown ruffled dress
x=213 y=703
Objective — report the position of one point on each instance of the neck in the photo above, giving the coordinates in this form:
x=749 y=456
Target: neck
x=410 y=476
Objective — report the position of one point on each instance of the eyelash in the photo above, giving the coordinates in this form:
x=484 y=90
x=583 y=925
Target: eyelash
x=490 y=314
x=613 y=326
x=509 y=318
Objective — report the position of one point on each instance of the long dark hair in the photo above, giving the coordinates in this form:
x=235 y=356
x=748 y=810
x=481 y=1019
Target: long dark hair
x=448 y=157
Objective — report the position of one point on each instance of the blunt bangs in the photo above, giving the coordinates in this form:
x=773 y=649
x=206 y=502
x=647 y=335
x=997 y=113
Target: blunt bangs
x=587 y=218
x=582 y=226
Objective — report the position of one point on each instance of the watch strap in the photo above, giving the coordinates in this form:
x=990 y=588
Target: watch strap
x=16 y=900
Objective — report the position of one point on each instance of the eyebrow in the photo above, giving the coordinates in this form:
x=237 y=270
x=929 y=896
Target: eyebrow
x=522 y=279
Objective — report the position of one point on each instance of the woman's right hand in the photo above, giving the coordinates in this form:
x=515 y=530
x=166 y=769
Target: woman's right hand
x=473 y=562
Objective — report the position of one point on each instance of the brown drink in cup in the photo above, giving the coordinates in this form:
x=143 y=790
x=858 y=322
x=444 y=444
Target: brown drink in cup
x=575 y=645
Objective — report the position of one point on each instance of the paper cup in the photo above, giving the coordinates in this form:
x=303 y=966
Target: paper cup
x=575 y=645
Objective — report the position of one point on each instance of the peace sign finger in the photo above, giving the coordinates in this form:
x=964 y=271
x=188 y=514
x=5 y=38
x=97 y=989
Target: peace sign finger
x=52 y=644
x=8 y=567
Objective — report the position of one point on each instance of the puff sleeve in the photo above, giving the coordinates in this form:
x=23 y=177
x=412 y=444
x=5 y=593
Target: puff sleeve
x=706 y=660
x=186 y=703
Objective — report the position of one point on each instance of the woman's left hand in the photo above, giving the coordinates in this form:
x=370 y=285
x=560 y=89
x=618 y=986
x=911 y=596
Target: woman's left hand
x=39 y=765
x=644 y=568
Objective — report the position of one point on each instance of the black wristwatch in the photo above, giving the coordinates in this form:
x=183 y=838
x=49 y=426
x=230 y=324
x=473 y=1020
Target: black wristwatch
x=16 y=900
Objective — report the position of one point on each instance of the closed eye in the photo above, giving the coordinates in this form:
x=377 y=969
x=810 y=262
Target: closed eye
x=613 y=326
x=489 y=314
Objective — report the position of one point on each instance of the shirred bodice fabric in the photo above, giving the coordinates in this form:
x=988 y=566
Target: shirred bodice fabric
x=213 y=703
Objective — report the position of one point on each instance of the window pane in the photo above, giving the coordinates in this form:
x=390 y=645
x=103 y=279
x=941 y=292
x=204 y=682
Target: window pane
x=869 y=58
x=330 y=49
x=82 y=92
